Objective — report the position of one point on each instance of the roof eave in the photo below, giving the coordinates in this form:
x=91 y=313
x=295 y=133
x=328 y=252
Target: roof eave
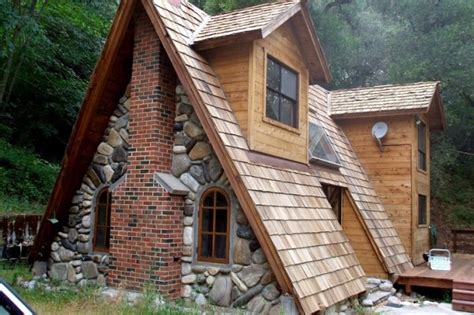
x=383 y=113
x=315 y=77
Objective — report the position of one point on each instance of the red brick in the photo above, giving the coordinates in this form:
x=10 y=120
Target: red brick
x=137 y=256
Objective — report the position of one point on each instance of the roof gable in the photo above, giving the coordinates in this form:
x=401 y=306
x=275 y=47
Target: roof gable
x=383 y=100
x=258 y=22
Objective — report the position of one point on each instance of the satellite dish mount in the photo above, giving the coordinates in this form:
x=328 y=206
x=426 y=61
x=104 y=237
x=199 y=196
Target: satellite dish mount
x=379 y=131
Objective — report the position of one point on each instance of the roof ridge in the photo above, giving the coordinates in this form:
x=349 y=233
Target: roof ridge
x=255 y=6
x=384 y=85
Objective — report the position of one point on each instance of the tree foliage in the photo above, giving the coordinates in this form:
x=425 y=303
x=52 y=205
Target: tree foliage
x=48 y=52
x=369 y=42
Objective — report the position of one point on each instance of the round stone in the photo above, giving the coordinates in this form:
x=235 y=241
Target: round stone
x=105 y=149
x=86 y=221
x=185 y=269
x=192 y=130
x=242 y=254
x=178 y=149
x=54 y=246
x=114 y=138
x=200 y=150
x=180 y=164
x=188 y=279
x=188 y=236
x=188 y=221
x=270 y=292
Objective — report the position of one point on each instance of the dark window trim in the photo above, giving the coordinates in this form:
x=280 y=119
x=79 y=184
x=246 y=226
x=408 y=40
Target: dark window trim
x=296 y=102
x=422 y=156
x=422 y=210
x=212 y=258
x=108 y=205
x=339 y=195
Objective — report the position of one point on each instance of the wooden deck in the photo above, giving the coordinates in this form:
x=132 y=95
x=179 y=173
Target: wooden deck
x=460 y=279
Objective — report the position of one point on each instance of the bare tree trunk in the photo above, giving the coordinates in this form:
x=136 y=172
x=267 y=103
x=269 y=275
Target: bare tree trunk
x=14 y=77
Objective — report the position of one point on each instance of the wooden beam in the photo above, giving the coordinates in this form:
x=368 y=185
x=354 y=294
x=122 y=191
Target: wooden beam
x=113 y=59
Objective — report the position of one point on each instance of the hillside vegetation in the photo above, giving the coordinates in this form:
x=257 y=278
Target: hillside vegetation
x=49 y=49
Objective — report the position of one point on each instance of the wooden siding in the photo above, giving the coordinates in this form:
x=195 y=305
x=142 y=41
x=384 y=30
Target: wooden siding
x=231 y=65
x=268 y=136
x=358 y=237
x=394 y=174
x=421 y=184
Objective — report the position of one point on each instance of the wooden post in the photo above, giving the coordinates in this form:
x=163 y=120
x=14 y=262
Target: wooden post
x=455 y=241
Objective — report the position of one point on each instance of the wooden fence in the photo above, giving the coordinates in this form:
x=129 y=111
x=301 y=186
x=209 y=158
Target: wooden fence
x=464 y=240
x=17 y=233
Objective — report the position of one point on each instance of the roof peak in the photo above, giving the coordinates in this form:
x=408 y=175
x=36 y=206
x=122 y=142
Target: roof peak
x=386 y=86
x=257 y=6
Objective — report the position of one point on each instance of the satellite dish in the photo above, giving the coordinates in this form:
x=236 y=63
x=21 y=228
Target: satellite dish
x=379 y=130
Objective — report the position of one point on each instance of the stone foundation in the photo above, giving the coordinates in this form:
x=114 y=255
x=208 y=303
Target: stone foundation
x=247 y=280
x=72 y=258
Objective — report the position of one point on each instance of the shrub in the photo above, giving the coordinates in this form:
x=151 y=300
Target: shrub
x=24 y=176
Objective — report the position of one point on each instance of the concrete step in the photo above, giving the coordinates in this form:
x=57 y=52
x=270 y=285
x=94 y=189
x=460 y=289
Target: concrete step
x=461 y=305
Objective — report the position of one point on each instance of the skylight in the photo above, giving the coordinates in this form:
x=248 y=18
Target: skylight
x=320 y=149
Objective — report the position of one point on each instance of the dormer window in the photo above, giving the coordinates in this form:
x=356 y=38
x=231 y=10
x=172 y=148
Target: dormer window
x=282 y=93
x=320 y=149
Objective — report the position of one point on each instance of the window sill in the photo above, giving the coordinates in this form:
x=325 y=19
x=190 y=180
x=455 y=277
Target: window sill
x=322 y=162
x=223 y=267
x=422 y=171
x=281 y=125
x=423 y=226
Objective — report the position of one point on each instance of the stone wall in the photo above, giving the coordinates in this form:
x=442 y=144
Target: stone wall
x=72 y=257
x=247 y=280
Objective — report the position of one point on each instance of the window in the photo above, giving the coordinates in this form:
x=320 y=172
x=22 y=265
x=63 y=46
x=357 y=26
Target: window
x=320 y=149
x=334 y=196
x=422 y=220
x=102 y=220
x=282 y=93
x=421 y=145
x=214 y=225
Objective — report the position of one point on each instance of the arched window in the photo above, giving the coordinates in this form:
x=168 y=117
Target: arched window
x=102 y=220
x=214 y=226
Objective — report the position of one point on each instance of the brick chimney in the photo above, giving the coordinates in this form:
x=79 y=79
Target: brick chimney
x=146 y=233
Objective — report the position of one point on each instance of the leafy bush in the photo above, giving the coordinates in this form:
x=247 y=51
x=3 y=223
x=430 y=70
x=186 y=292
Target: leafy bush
x=24 y=177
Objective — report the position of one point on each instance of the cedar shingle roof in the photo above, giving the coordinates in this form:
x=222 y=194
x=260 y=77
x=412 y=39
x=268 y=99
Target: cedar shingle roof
x=286 y=207
x=356 y=180
x=244 y=20
x=412 y=97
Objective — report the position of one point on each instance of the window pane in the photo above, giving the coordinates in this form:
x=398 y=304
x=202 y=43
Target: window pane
x=100 y=237
x=289 y=83
x=101 y=214
x=273 y=75
x=421 y=209
x=220 y=246
x=207 y=220
x=209 y=200
x=220 y=200
x=319 y=145
x=206 y=245
x=273 y=104
x=287 y=112
x=221 y=221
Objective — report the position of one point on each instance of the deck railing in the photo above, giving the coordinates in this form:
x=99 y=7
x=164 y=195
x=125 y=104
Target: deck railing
x=457 y=233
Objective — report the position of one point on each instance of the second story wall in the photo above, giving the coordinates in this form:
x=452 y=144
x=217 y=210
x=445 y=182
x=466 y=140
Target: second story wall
x=396 y=175
x=267 y=135
x=242 y=71
x=390 y=171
